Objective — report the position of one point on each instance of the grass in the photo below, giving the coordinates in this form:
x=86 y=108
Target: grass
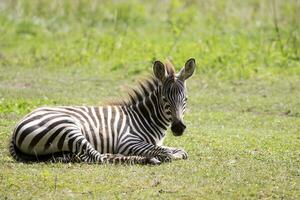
x=243 y=135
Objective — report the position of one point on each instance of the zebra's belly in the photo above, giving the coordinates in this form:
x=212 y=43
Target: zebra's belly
x=103 y=140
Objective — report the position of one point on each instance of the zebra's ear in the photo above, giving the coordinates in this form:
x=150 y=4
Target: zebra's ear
x=188 y=70
x=159 y=70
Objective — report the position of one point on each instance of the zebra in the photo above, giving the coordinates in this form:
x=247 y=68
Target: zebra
x=131 y=131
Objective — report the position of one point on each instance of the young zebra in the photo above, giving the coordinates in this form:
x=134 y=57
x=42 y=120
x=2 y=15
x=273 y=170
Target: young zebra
x=129 y=132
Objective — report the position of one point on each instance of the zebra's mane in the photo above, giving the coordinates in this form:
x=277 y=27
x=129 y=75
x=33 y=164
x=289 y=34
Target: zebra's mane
x=137 y=94
x=146 y=87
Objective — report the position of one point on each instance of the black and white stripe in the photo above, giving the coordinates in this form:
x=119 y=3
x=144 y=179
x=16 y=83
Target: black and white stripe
x=128 y=132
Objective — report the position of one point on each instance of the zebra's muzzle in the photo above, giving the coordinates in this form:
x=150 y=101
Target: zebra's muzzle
x=178 y=128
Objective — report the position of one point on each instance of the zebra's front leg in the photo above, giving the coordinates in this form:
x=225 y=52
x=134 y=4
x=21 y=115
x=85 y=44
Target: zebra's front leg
x=160 y=153
x=178 y=153
x=86 y=153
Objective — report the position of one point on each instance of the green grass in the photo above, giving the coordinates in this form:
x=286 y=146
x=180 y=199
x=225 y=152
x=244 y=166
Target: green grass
x=243 y=117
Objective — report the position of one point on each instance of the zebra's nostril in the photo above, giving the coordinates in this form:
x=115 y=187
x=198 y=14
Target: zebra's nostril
x=178 y=128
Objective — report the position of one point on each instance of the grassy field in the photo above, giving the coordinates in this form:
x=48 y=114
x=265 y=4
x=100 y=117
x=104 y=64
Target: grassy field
x=243 y=117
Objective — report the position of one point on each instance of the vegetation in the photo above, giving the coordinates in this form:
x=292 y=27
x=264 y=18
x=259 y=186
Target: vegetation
x=243 y=118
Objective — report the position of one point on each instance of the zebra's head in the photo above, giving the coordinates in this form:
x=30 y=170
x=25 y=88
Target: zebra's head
x=174 y=91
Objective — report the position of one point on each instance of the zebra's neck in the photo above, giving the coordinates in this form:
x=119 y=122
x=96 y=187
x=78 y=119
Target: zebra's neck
x=155 y=100
x=150 y=115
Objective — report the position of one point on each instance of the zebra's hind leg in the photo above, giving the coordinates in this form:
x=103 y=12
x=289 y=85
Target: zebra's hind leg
x=121 y=159
x=86 y=153
x=64 y=157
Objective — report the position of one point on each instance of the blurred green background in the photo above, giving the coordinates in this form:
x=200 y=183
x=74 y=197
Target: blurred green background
x=228 y=38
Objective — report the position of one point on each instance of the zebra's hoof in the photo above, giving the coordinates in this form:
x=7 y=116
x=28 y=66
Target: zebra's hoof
x=153 y=161
x=179 y=154
x=185 y=156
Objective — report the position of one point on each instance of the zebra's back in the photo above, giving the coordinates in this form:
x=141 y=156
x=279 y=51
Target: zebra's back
x=50 y=130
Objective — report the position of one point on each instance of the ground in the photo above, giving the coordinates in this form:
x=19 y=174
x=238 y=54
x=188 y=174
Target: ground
x=243 y=116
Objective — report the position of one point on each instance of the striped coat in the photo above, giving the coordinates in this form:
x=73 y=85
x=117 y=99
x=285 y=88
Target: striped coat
x=128 y=132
